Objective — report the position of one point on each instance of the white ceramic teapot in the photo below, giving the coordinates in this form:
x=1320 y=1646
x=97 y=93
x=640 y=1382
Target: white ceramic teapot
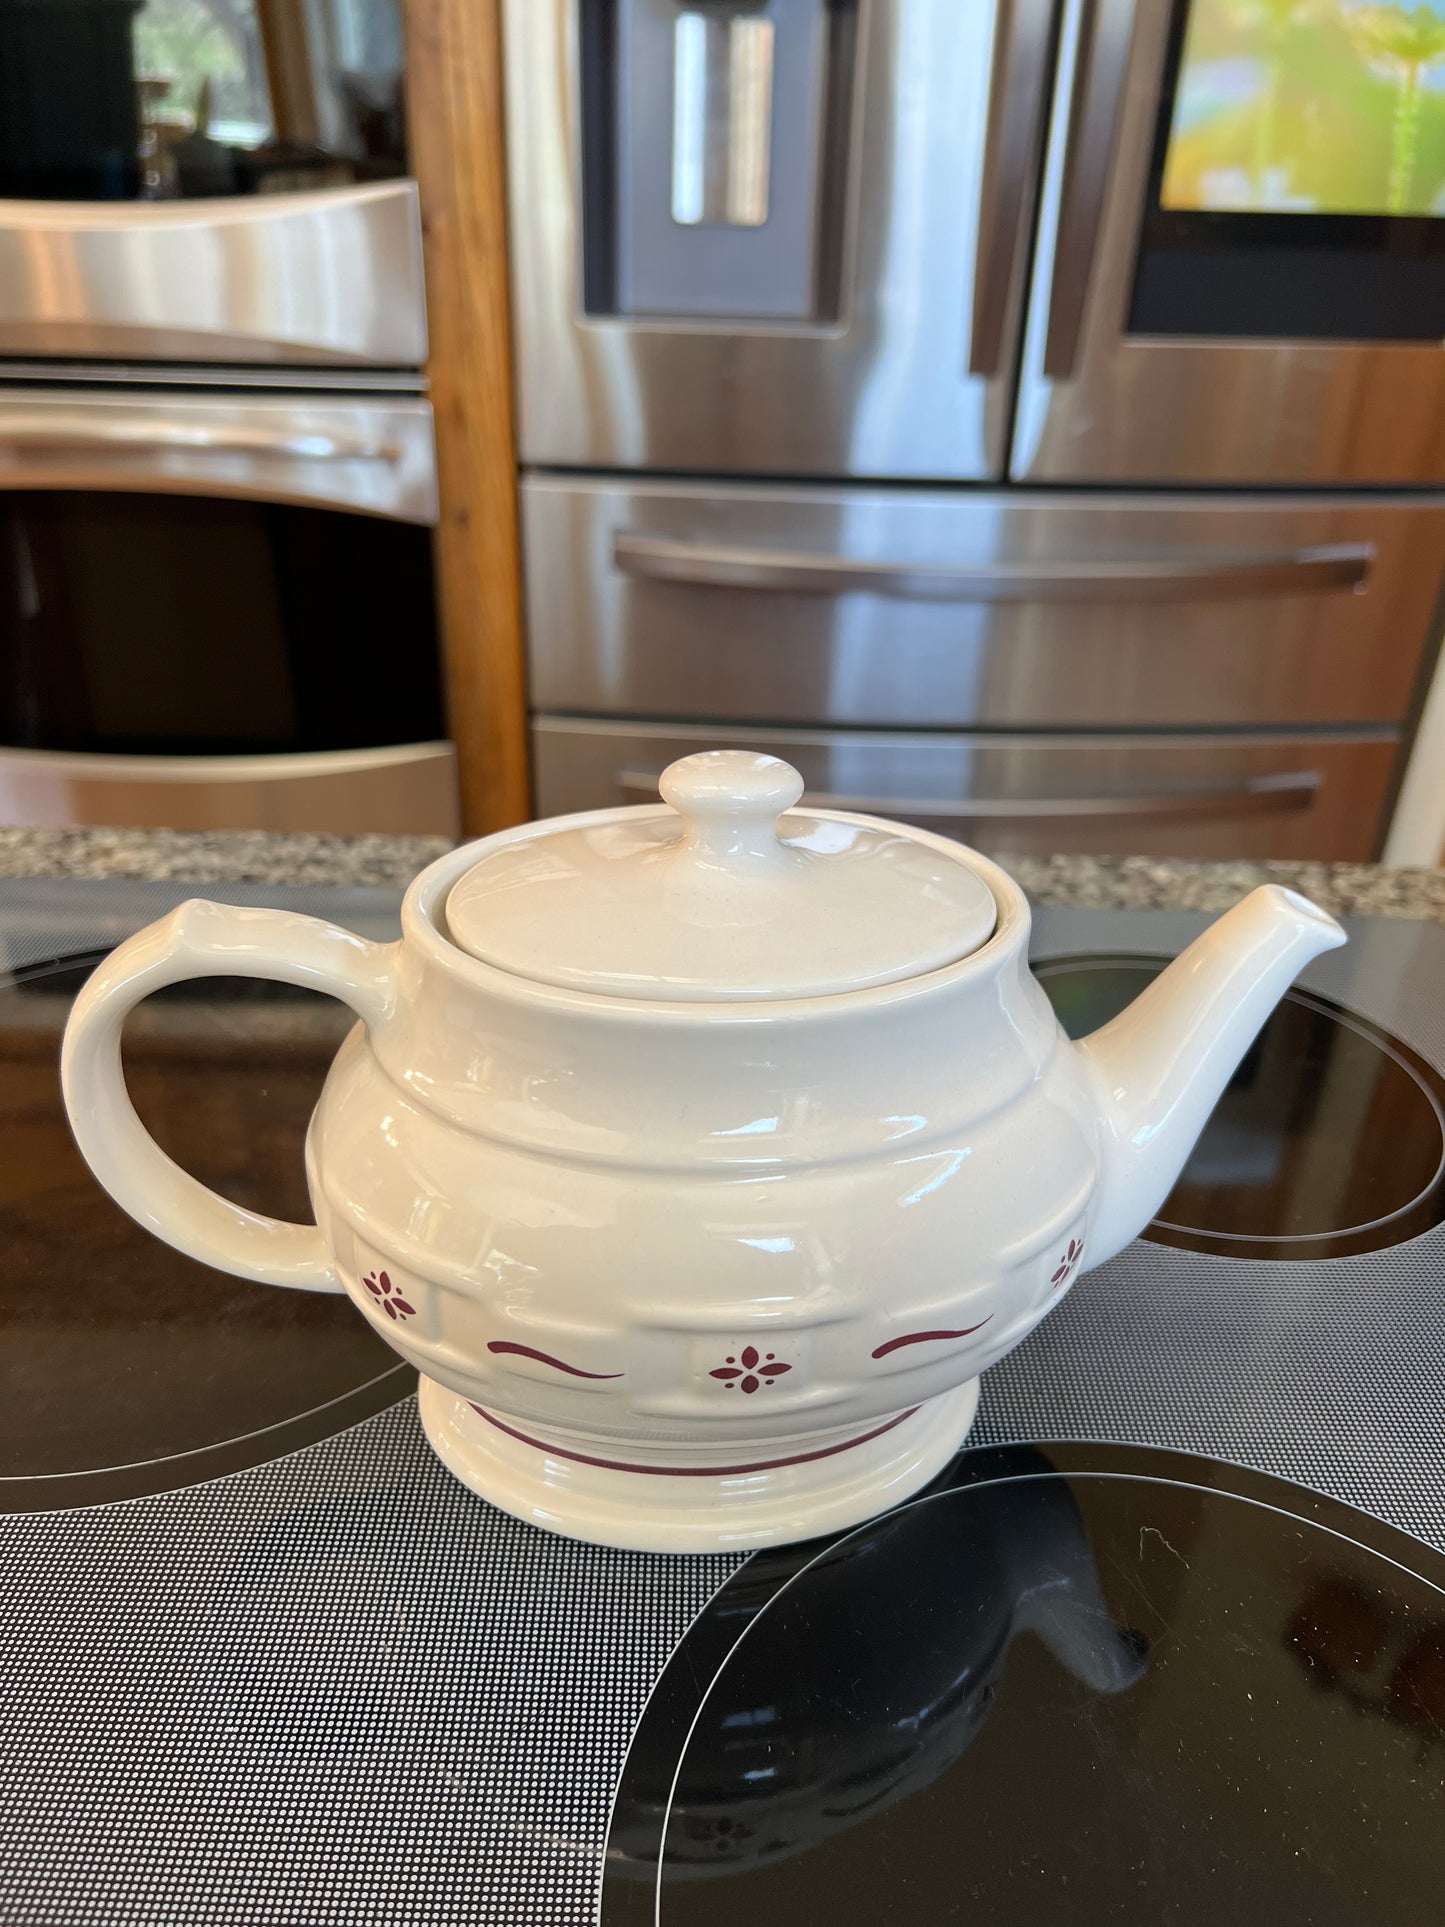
x=700 y=1160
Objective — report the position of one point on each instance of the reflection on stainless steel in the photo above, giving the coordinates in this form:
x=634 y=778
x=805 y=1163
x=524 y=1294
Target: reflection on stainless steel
x=410 y=790
x=330 y=276
x=1140 y=409
x=1105 y=28
x=721 y=118
x=933 y=610
x=180 y=374
x=1260 y=796
x=750 y=86
x=375 y=456
x=1301 y=796
x=1165 y=578
x=120 y=100
x=84 y=431
x=1016 y=98
x=883 y=389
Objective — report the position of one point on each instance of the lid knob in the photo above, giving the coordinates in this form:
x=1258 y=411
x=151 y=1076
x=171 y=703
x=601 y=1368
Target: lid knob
x=731 y=800
x=722 y=896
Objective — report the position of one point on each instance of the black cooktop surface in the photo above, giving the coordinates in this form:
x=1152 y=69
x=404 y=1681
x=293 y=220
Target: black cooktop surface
x=127 y=1368
x=263 y=1660
x=1328 y=1142
x=1073 y=1684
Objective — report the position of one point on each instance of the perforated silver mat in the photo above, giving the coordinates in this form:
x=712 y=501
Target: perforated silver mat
x=338 y=1688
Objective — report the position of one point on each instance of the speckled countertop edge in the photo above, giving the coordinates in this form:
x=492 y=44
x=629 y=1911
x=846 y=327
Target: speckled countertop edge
x=217 y=856
x=1139 y=883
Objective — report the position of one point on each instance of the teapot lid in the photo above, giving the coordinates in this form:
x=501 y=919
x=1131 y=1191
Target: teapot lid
x=717 y=899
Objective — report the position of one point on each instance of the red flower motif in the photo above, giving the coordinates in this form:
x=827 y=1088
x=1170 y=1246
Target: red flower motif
x=747 y=1370
x=1068 y=1264
x=392 y=1303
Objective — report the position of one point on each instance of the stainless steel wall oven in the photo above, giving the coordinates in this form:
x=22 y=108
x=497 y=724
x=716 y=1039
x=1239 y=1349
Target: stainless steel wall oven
x=217 y=474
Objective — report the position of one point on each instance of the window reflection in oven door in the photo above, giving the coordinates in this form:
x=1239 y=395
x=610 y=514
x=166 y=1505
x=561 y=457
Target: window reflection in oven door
x=1240 y=270
x=216 y=612
x=207 y=180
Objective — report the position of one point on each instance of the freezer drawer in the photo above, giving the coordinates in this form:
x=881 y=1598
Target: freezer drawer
x=924 y=608
x=1292 y=796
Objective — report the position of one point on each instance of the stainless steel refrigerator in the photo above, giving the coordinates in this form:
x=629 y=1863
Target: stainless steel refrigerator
x=1027 y=416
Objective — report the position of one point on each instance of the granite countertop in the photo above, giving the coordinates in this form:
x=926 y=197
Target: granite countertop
x=1348 y=889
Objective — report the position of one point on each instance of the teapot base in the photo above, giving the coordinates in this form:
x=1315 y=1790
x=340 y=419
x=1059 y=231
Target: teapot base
x=741 y=1502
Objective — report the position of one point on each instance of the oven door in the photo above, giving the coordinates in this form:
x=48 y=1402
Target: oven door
x=778 y=236
x=216 y=613
x=1240 y=271
x=207 y=180
x=332 y=277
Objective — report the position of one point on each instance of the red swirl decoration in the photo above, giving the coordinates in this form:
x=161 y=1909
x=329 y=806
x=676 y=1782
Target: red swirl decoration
x=543 y=1358
x=923 y=1338
x=696 y=1471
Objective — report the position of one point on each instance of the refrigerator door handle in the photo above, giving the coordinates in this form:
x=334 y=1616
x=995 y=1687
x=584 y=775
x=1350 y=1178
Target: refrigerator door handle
x=1015 y=109
x=1273 y=795
x=1106 y=31
x=1327 y=568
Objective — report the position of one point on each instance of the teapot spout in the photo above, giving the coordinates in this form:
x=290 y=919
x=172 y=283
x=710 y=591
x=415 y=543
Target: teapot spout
x=1159 y=1068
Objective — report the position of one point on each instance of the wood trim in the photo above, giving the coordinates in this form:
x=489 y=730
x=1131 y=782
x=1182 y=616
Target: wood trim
x=290 y=71
x=455 y=121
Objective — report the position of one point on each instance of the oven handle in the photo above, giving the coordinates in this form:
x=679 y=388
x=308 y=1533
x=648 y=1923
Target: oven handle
x=81 y=433
x=1015 y=106
x=1170 y=578
x=1106 y=31
x=1273 y=795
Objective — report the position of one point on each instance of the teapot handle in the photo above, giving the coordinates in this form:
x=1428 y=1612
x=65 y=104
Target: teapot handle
x=203 y=939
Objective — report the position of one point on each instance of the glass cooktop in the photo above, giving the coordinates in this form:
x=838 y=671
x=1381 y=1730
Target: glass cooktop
x=1068 y=1685
x=299 y=1674
x=1328 y=1142
x=126 y=1367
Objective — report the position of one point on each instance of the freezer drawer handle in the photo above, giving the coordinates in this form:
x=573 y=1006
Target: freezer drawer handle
x=1172 y=578
x=83 y=433
x=1276 y=795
